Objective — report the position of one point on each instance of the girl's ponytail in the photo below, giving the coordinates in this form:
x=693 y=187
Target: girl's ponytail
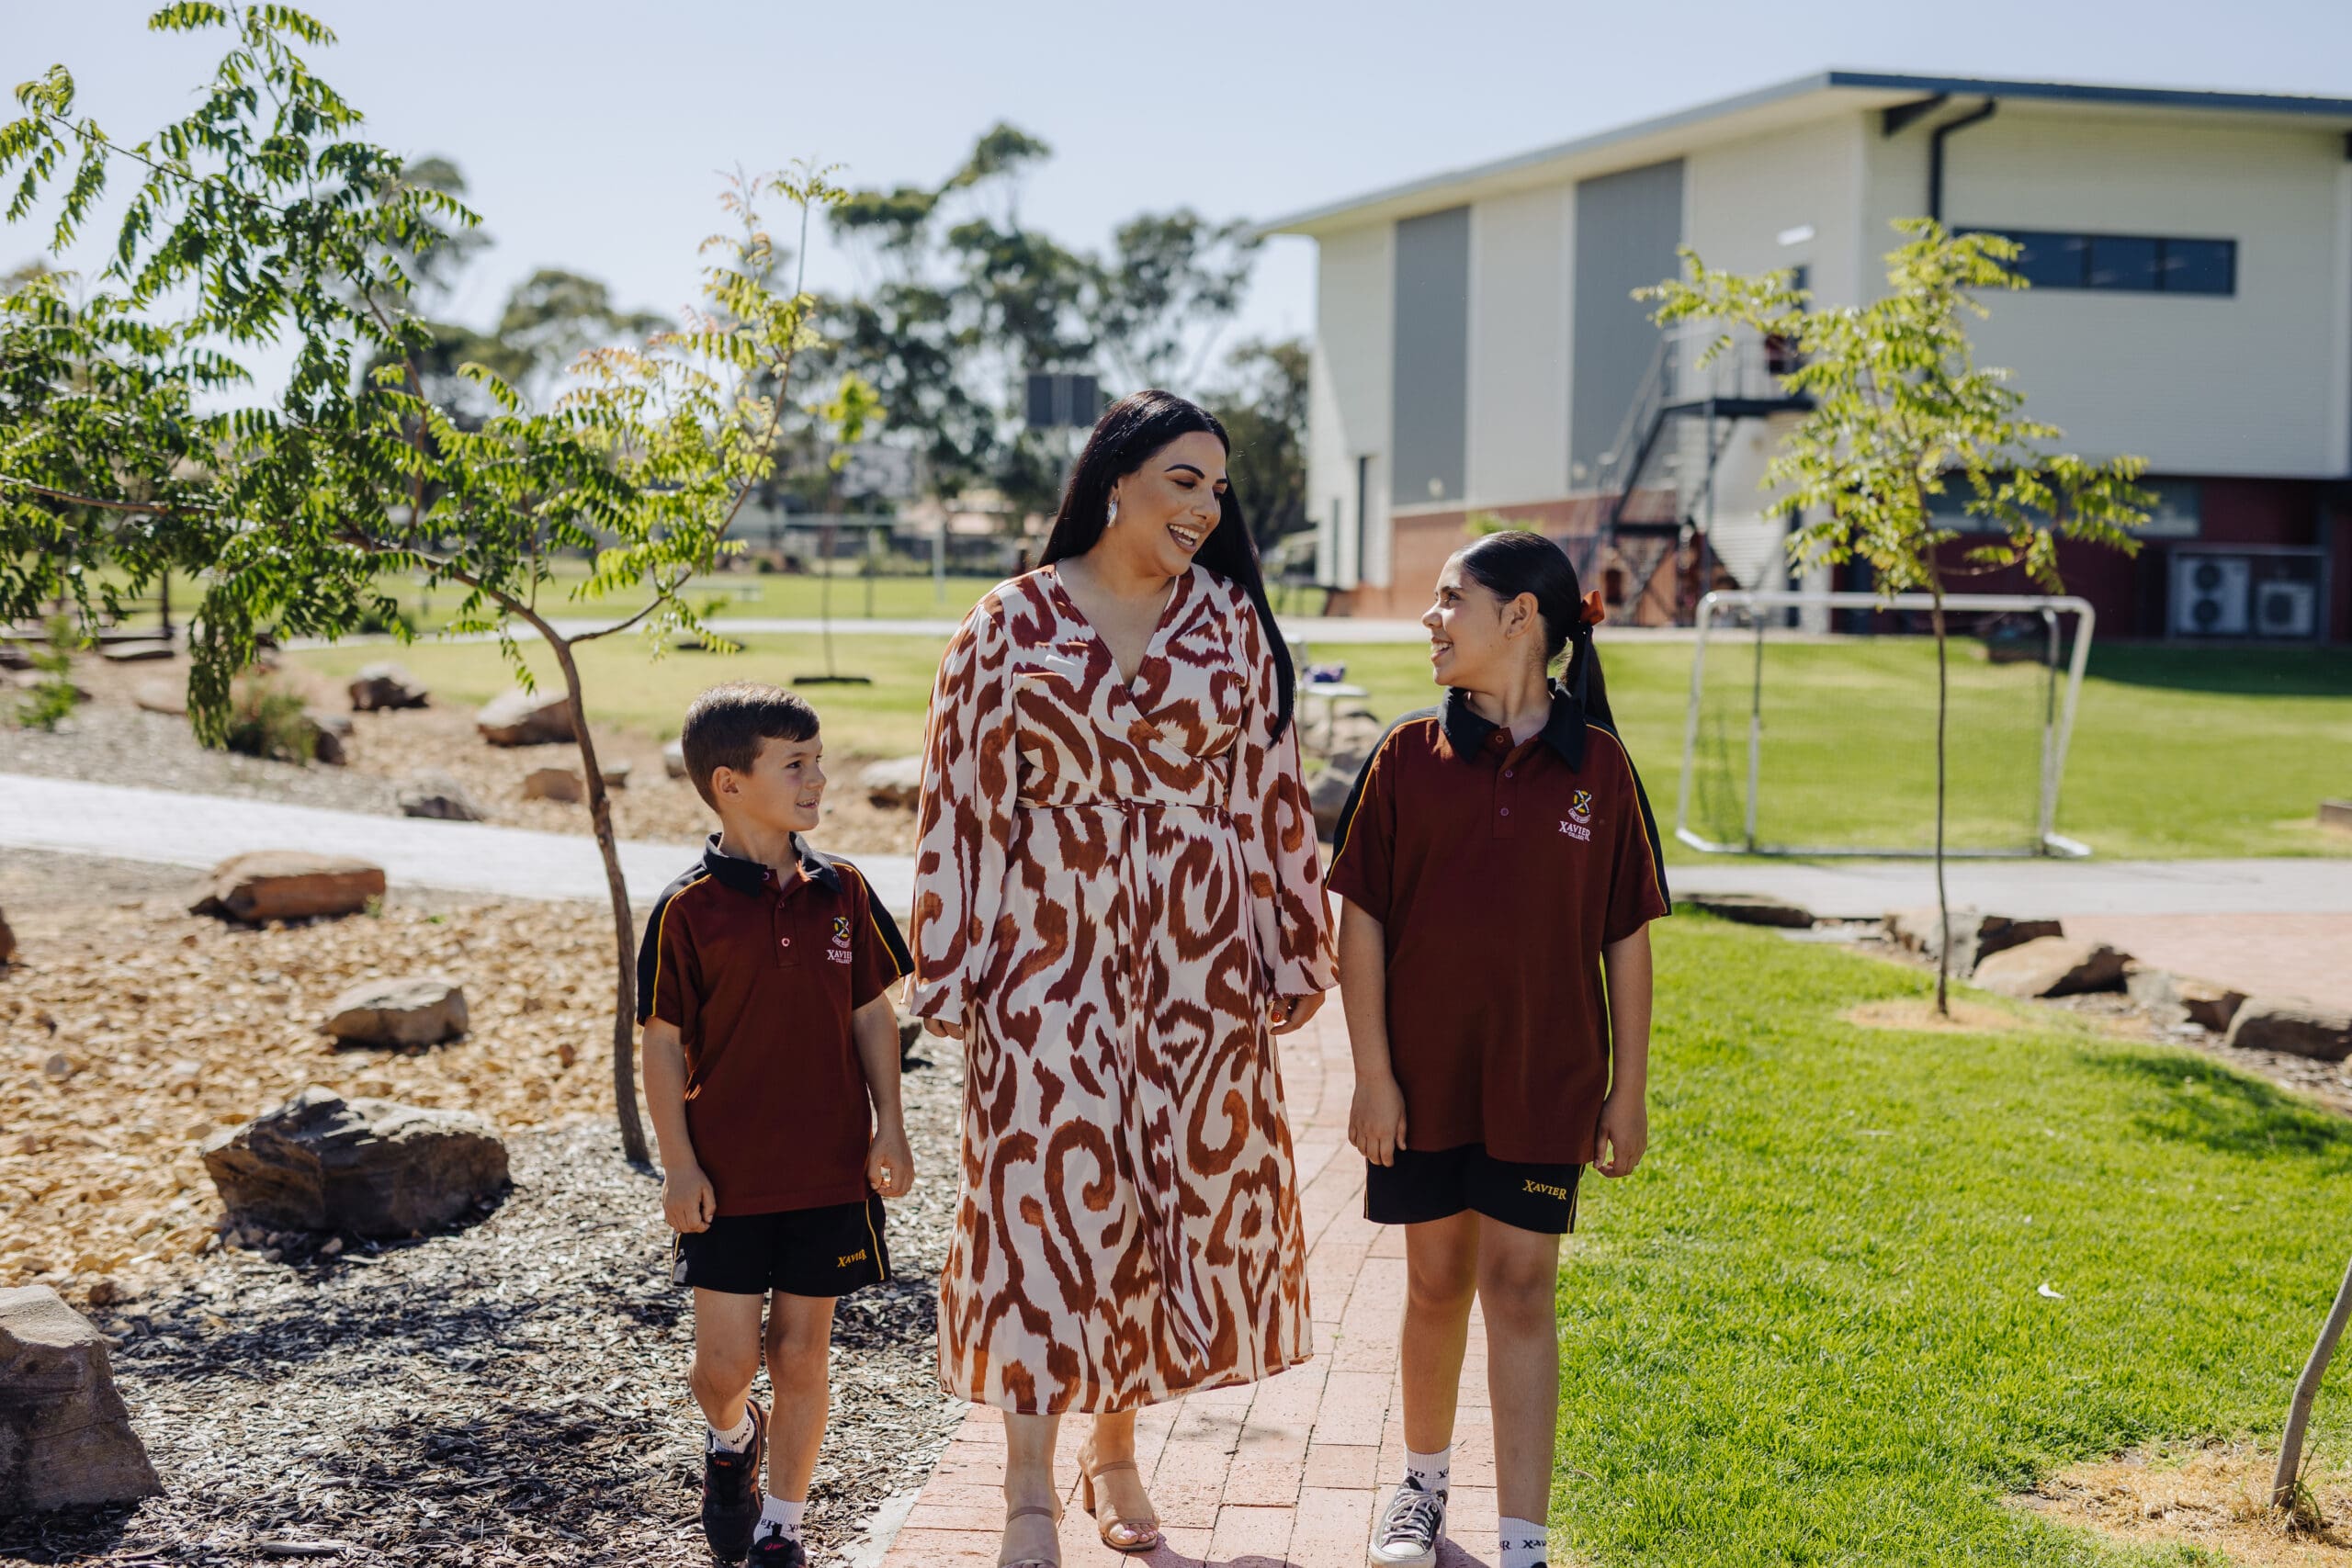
x=1518 y=561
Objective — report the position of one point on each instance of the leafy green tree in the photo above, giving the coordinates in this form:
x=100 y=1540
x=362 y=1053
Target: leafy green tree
x=1901 y=413
x=1263 y=408
x=1156 y=302
x=259 y=217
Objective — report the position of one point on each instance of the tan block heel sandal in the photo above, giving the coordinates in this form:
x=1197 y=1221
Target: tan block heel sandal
x=1146 y=1532
x=1051 y=1558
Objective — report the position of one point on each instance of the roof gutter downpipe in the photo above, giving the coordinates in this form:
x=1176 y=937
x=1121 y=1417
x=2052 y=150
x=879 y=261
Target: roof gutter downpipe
x=1935 y=153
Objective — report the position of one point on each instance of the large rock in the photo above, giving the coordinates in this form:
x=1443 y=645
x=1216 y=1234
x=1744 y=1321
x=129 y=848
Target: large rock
x=8 y=940
x=65 y=1438
x=15 y=656
x=1975 y=936
x=2303 y=1028
x=436 y=795
x=329 y=736
x=552 y=784
x=524 y=718
x=370 y=1167
x=1328 y=795
x=385 y=686
x=1753 y=910
x=895 y=783
x=288 y=884
x=135 y=653
x=2053 y=966
x=423 y=1010
x=2178 y=998
x=160 y=695
x=2336 y=813
x=673 y=759
x=615 y=774
x=1348 y=740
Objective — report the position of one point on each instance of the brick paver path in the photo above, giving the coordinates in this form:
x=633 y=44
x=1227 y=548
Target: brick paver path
x=1289 y=1470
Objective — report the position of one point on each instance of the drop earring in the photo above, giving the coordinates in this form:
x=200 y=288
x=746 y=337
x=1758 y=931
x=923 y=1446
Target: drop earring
x=1111 y=518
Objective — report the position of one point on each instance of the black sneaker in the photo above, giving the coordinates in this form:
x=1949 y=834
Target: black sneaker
x=777 y=1549
x=730 y=1490
x=1410 y=1527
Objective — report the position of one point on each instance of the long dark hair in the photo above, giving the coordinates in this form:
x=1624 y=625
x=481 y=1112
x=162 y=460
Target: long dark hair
x=1129 y=432
x=1518 y=561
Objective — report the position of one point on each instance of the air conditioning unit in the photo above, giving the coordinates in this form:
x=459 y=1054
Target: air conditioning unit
x=2285 y=610
x=2209 y=594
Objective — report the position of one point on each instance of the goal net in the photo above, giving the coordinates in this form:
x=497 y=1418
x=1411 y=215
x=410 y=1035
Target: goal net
x=1811 y=724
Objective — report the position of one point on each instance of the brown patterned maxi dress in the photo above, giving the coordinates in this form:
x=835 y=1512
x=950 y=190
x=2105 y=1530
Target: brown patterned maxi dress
x=1114 y=879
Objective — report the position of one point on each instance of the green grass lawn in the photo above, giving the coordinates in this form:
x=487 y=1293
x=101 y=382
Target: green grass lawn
x=2176 y=752
x=1810 y=1329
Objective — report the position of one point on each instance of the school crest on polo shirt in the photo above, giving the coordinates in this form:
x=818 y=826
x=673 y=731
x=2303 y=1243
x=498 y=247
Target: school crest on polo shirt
x=839 y=954
x=1578 y=824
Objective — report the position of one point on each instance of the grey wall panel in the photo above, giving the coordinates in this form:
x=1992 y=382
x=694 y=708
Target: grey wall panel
x=1627 y=227
x=1430 y=383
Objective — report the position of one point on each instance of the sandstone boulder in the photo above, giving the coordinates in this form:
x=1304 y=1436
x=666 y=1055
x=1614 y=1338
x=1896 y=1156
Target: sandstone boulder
x=423 y=1010
x=1349 y=738
x=2053 y=966
x=436 y=795
x=615 y=774
x=2336 y=813
x=552 y=784
x=160 y=695
x=370 y=1167
x=1975 y=936
x=378 y=686
x=1754 y=909
x=894 y=784
x=524 y=718
x=135 y=653
x=288 y=884
x=673 y=759
x=7 y=938
x=15 y=655
x=1328 y=795
x=329 y=736
x=2178 y=999
x=2303 y=1028
x=65 y=1438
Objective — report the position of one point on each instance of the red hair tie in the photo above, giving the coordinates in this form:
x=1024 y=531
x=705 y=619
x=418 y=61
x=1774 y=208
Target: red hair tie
x=1594 y=611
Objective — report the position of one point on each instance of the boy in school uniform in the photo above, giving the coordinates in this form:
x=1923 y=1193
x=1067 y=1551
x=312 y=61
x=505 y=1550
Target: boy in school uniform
x=771 y=1073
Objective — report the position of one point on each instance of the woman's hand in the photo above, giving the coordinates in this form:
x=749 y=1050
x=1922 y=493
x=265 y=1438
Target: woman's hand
x=944 y=1029
x=1624 y=1135
x=1286 y=1013
x=1376 y=1119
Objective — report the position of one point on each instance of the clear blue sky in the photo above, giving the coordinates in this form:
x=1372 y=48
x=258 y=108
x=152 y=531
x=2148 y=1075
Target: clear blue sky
x=590 y=130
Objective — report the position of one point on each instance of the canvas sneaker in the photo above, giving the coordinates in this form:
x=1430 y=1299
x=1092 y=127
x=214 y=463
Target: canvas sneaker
x=1408 y=1533
x=730 y=1490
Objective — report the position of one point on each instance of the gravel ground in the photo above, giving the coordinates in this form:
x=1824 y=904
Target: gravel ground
x=509 y=1393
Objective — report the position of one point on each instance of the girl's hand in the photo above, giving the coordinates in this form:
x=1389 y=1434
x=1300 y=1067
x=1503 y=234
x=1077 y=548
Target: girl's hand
x=688 y=1202
x=1624 y=1135
x=939 y=1026
x=1286 y=1013
x=890 y=1163
x=1376 y=1120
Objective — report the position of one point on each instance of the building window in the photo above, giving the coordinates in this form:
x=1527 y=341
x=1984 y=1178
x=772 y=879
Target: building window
x=2133 y=263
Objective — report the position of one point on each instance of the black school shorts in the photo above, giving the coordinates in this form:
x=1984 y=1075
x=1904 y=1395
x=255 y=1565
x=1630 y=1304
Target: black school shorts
x=1436 y=1184
x=802 y=1252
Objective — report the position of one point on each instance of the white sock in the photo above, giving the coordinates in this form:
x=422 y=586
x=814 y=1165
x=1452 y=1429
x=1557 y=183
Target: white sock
x=1432 y=1472
x=1521 y=1541
x=736 y=1441
x=782 y=1516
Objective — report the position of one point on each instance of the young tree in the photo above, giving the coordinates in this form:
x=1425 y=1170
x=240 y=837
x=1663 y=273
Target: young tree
x=260 y=217
x=2287 y=1480
x=1901 y=411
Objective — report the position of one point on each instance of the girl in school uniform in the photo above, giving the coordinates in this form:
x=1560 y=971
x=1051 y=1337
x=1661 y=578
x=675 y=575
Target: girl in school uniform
x=1499 y=868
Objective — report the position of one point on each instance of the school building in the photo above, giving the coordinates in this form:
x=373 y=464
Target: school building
x=1476 y=349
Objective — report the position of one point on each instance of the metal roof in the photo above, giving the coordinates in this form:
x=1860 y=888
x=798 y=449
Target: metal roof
x=1820 y=83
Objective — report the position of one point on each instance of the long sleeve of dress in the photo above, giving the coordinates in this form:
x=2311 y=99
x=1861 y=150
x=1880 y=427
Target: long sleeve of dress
x=965 y=826
x=1290 y=914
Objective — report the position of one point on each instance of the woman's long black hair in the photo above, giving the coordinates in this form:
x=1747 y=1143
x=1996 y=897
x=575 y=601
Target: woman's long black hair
x=1517 y=561
x=1129 y=432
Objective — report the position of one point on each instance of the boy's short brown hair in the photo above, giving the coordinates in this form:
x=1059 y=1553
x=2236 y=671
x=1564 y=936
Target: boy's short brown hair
x=726 y=725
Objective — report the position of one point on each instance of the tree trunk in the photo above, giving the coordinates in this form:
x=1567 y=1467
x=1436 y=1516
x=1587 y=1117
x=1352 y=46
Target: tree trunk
x=2291 y=1450
x=1943 y=716
x=600 y=813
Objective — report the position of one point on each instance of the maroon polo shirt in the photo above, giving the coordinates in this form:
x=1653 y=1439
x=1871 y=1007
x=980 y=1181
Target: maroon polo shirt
x=761 y=974
x=1498 y=872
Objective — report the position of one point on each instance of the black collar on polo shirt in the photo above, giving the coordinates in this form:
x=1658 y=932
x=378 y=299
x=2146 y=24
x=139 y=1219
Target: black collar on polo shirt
x=745 y=875
x=1469 y=734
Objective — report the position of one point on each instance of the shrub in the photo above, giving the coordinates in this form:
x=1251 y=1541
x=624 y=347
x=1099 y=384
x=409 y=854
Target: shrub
x=267 y=720
x=54 y=696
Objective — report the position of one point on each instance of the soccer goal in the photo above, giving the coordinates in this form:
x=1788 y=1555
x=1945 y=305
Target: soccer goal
x=1811 y=724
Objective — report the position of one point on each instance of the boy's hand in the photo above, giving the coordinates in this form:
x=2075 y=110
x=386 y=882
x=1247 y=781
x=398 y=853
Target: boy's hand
x=1376 y=1120
x=1624 y=1135
x=890 y=1163
x=687 y=1200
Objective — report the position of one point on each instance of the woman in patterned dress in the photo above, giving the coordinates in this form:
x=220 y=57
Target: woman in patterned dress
x=1117 y=902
